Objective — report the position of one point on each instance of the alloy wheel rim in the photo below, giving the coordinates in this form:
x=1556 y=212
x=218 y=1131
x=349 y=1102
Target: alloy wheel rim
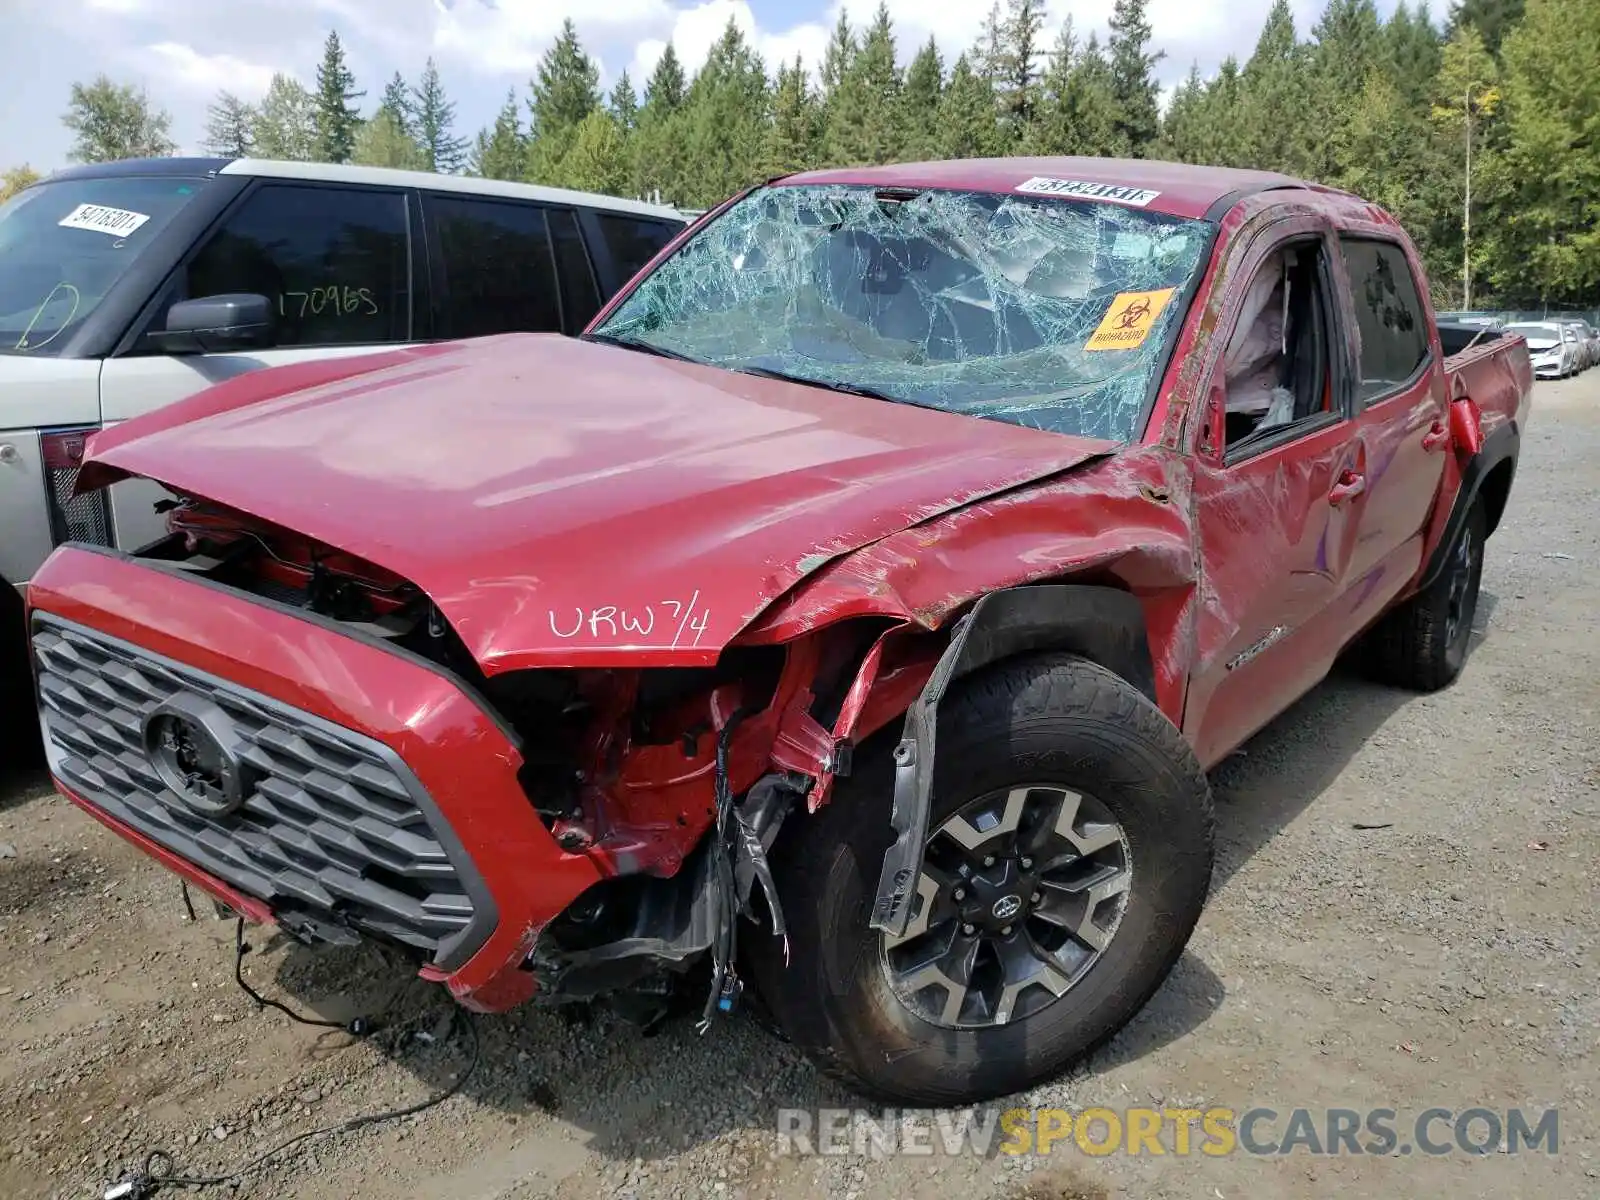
x=1460 y=587
x=1021 y=892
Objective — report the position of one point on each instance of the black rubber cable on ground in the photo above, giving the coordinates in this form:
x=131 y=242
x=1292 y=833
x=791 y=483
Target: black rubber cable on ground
x=156 y=1172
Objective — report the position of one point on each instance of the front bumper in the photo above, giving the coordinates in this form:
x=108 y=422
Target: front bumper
x=382 y=797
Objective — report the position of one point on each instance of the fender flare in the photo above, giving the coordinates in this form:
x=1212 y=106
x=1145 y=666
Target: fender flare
x=1103 y=624
x=1500 y=446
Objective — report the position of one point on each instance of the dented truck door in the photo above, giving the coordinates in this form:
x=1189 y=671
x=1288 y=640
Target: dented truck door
x=1273 y=503
x=1401 y=420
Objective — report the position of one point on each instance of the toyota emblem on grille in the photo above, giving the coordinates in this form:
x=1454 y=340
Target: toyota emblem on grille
x=192 y=746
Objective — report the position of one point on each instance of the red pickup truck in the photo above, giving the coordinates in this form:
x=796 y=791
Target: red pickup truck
x=853 y=610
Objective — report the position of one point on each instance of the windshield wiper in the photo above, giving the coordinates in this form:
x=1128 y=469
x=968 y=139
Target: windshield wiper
x=611 y=339
x=848 y=389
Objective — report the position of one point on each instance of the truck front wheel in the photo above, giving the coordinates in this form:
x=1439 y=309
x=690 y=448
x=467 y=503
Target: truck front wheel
x=1068 y=858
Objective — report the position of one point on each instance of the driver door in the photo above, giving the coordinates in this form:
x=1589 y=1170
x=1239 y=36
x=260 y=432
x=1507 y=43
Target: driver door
x=1276 y=492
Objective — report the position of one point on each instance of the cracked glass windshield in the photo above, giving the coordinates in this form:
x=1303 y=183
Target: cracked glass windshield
x=1049 y=313
x=63 y=245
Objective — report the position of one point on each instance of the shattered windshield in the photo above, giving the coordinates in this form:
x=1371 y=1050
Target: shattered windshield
x=1043 y=312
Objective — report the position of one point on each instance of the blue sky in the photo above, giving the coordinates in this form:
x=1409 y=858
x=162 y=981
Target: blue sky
x=183 y=51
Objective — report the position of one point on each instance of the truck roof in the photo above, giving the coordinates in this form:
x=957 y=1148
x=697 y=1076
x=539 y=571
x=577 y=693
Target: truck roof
x=346 y=173
x=1181 y=189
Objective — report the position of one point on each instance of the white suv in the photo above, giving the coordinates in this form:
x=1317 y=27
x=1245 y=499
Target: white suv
x=126 y=286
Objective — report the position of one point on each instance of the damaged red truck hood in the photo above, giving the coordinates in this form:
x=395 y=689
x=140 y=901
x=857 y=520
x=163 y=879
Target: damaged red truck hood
x=570 y=503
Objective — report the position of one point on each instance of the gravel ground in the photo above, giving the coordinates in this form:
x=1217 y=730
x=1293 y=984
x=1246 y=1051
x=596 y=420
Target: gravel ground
x=1446 y=957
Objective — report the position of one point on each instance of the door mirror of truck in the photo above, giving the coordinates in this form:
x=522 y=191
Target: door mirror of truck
x=242 y=321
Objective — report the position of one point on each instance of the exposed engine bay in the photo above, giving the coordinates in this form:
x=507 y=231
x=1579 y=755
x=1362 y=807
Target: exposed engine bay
x=674 y=780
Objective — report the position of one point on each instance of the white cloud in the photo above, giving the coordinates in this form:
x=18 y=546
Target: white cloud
x=209 y=74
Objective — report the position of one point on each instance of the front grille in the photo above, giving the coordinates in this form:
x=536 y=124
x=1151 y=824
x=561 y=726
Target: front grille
x=328 y=827
x=76 y=518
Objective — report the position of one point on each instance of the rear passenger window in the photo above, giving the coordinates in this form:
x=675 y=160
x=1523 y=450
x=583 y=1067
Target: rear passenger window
x=633 y=241
x=1394 y=332
x=580 y=298
x=498 y=272
x=334 y=263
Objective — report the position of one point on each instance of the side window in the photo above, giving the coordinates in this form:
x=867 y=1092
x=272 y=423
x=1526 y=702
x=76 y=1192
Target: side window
x=1389 y=314
x=334 y=263
x=633 y=241
x=580 y=298
x=1276 y=368
x=498 y=272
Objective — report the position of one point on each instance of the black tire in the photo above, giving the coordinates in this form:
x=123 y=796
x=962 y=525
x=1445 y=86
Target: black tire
x=20 y=744
x=1422 y=645
x=1055 y=719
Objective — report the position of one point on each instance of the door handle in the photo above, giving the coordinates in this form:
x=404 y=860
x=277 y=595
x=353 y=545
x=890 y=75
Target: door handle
x=1436 y=438
x=1351 y=484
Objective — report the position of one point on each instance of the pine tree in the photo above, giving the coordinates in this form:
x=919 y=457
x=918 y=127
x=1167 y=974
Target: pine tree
x=432 y=120
x=501 y=151
x=728 y=111
x=1133 y=81
x=864 y=119
x=1546 y=240
x=597 y=160
x=841 y=52
x=383 y=141
x=112 y=121
x=337 y=118
x=396 y=101
x=1412 y=47
x=666 y=87
x=988 y=54
x=1093 y=109
x=657 y=153
x=1493 y=19
x=1182 y=125
x=1277 y=85
x=286 y=122
x=1017 y=71
x=1347 y=47
x=566 y=89
x=923 y=91
x=625 y=104
x=967 y=127
x=792 y=140
x=230 y=127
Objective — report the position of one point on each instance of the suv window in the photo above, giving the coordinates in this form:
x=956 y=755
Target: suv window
x=335 y=263
x=498 y=270
x=1394 y=332
x=580 y=298
x=633 y=241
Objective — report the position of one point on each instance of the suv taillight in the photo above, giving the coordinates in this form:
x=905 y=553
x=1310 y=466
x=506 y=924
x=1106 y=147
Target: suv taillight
x=72 y=518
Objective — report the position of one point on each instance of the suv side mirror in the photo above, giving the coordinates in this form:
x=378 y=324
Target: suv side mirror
x=241 y=321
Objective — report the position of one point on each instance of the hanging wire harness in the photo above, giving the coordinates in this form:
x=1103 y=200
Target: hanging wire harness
x=158 y=1171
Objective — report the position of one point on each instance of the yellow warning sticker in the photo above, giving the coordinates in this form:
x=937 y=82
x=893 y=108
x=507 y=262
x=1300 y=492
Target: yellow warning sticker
x=1129 y=320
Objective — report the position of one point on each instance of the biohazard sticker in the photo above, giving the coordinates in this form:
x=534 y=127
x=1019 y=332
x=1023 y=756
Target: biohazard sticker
x=1129 y=320
x=1042 y=185
x=118 y=222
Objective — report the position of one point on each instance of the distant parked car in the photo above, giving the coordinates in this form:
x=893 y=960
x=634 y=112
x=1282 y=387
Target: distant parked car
x=1588 y=340
x=1552 y=347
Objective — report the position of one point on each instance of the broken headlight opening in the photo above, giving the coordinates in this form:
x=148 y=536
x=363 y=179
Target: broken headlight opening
x=157 y=1171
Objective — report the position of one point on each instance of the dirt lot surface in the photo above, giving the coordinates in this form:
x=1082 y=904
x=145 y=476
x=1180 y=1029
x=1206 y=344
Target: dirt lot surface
x=1446 y=956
